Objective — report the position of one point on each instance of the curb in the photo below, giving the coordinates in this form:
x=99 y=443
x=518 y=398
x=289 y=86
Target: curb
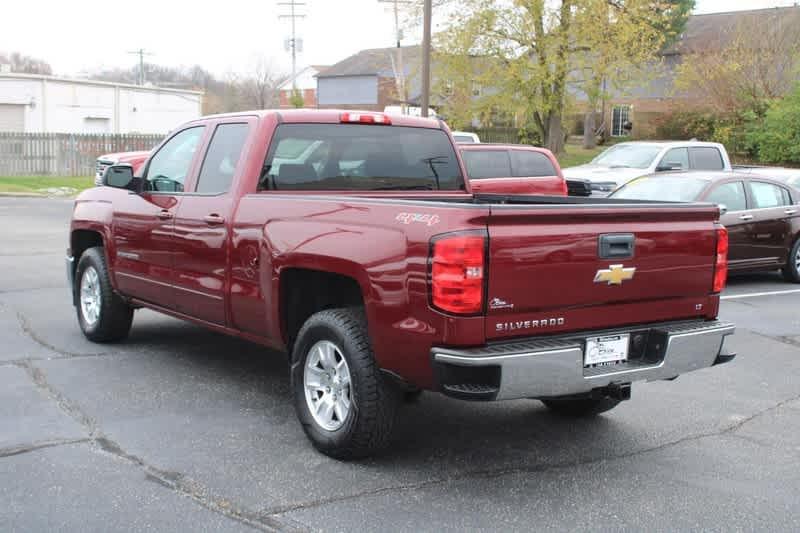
x=34 y=195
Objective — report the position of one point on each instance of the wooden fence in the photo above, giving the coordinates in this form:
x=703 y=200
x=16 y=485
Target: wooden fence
x=63 y=154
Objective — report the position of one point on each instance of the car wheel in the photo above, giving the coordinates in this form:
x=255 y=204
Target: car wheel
x=582 y=406
x=344 y=404
x=102 y=314
x=792 y=269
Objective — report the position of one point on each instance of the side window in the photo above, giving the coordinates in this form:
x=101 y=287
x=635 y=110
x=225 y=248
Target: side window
x=483 y=164
x=167 y=170
x=677 y=158
x=706 y=158
x=221 y=158
x=731 y=194
x=767 y=195
x=527 y=163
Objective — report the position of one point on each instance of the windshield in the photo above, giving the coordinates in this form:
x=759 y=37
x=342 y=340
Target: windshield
x=360 y=157
x=628 y=156
x=668 y=189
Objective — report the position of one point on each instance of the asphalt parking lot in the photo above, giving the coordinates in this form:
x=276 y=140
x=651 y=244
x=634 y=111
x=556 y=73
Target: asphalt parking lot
x=182 y=429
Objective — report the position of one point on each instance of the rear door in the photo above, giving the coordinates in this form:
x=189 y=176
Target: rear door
x=771 y=235
x=202 y=225
x=537 y=171
x=489 y=170
x=706 y=158
x=560 y=268
x=737 y=220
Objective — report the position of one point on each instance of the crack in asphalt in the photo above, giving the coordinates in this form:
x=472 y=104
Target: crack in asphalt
x=26 y=448
x=28 y=330
x=500 y=472
x=784 y=339
x=174 y=481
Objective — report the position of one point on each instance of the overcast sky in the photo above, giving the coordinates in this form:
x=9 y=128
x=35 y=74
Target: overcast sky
x=77 y=36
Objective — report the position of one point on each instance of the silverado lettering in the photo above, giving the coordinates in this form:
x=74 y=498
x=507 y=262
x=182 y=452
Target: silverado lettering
x=352 y=243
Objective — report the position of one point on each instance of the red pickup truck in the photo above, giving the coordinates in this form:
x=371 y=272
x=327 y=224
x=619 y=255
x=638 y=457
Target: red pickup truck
x=351 y=242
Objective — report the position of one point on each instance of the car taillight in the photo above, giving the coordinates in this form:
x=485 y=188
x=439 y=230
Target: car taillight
x=458 y=272
x=366 y=118
x=721 y=263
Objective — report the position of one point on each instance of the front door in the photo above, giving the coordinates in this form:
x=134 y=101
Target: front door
x=143 y=223
x=202 y=227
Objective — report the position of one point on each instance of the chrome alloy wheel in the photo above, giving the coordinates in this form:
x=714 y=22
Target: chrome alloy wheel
x=326 y=379
x=90 y=296
x=797 y=260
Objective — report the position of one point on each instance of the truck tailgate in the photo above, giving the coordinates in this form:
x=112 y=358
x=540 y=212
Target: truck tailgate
x=547 y=271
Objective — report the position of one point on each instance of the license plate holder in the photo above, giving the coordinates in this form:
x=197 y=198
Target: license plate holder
x=607 y=349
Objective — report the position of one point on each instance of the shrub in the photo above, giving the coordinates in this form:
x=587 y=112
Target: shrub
x=778 y=138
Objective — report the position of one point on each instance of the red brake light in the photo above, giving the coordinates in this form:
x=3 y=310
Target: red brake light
x=721 y=263
x=458 y=273
x=366 y=118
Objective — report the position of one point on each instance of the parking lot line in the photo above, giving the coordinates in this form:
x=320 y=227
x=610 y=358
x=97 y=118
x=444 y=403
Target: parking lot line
x=755 y=294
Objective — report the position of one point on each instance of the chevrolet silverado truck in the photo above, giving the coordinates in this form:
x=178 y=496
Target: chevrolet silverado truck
x=351 y=242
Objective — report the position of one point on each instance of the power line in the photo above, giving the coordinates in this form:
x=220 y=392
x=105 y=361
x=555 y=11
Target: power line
x=141 y=53
x=292 y=4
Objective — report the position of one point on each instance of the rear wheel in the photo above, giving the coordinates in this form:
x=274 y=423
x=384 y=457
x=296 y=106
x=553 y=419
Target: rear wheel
x=582 y=406
x=103 y=316
x=792 y=269
x=345 y=405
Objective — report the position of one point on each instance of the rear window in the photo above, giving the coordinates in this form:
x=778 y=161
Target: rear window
x=528 y=163
x=766 y=195
x=672 y=189
x=483 y=164
x=360 y=157
x=706 y=158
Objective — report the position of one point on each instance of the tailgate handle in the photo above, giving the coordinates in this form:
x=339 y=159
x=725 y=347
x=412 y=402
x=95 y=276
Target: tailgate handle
x=616 y=245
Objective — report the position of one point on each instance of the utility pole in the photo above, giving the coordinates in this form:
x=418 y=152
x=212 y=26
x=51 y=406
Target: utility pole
x=292 y=4
x=426 y=56
x=141 y=53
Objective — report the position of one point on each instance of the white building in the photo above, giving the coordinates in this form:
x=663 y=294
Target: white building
x=34 y=103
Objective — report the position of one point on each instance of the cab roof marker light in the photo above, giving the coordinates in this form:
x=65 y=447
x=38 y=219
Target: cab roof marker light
x=365 y=118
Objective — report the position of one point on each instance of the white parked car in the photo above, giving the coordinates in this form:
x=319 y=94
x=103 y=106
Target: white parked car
x=623 y=162
x=465 y=137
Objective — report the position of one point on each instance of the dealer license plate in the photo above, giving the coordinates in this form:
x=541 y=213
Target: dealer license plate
x=609 y=349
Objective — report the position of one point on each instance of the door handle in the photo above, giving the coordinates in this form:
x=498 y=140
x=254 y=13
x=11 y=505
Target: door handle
x=746 y=217
x=214 y=220
x=164 y=215
x=790 y=211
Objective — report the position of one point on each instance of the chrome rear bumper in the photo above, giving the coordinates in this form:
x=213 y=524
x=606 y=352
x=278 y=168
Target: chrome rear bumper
x=541 y=368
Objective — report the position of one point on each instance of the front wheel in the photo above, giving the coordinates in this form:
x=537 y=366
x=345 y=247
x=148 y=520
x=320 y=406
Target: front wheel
x=102 y=314
x=581 y=406
x=792 y=269
x=344 y=404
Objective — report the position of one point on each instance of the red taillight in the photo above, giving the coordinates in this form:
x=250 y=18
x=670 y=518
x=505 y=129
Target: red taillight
x=366 y=118
x=721 y=263
x=458 y=272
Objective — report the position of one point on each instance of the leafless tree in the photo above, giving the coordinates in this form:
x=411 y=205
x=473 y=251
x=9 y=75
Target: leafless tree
x=258 y=88
x=25 y=64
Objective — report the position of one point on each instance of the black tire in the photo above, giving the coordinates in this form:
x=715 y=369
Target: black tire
x=115 y=316
x=791 y=272
x=581 y=407
x=368 y=425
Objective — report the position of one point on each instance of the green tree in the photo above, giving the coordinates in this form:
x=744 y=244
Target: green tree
x=778 y=138
x=525 y=53
x=621 y=42
x=296 y=100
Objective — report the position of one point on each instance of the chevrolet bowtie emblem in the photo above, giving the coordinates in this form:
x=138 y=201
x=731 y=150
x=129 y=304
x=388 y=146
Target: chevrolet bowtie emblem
x=614 y=274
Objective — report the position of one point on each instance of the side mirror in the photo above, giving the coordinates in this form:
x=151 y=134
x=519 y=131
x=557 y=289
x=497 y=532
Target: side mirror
x=120 y=176
x=722 y=209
